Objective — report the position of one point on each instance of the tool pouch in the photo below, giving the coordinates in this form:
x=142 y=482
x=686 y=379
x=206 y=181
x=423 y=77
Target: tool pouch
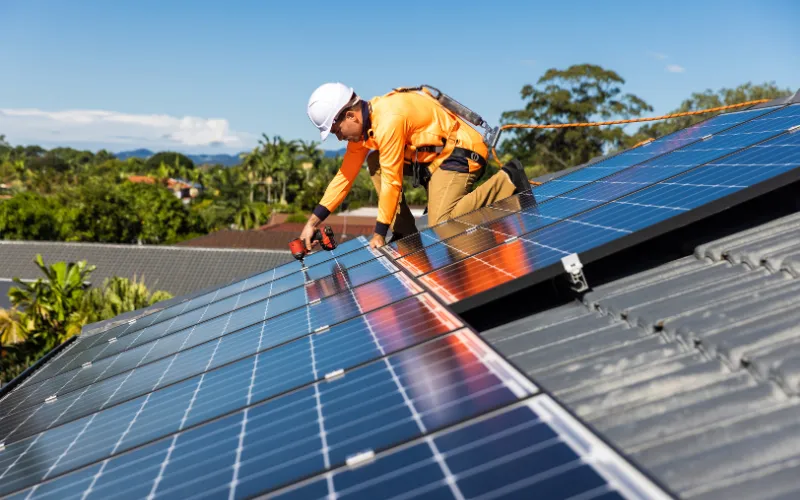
x=420 y=175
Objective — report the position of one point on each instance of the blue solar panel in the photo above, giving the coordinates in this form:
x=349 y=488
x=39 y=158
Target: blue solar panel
x=618 y=218
x=269 y=444
x=681 y=138
x=529 y=450
x=35 y=415
x=213 y=316
x=488 y=235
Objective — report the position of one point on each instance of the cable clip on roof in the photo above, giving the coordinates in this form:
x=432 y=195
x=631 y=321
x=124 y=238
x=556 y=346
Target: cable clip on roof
x=574 y=268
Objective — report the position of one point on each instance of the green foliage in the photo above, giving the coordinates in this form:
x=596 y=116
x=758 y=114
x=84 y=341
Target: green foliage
x=96 y=212
x=118 y=296
x=53 y=308
x=580 y=93
x=163 y=218
x=28 y=216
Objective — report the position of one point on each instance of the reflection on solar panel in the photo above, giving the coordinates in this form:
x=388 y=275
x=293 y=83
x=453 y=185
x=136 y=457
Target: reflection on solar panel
x=530 y=242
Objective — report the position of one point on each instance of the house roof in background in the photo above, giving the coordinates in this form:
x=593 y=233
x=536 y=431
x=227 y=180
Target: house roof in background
x=263 y=240
x=178 y=270
x=692 y=368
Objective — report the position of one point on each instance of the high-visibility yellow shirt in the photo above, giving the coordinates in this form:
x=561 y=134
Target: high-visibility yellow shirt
x=396 y=124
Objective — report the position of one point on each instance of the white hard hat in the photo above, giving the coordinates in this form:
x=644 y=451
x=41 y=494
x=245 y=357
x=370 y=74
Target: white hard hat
x=325 y=103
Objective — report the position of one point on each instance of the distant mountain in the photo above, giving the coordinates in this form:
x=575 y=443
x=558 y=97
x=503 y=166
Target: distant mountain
x=334 y=153
x=136 y=153
x=221 y=159
x=199 y=159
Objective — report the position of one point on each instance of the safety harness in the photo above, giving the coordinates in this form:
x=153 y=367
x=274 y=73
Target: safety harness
x=420 y=174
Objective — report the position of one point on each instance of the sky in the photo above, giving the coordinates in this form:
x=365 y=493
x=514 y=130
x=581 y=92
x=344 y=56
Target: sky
x=203 y=76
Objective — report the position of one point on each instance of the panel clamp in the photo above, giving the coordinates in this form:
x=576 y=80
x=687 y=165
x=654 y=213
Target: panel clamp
x=360 y=459
x=574 y=268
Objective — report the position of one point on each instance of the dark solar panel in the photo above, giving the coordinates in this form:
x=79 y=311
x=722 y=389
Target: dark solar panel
x=628 y=158
x=454 y=244
x=530 y=450
x=623 y=217
x=311 y=428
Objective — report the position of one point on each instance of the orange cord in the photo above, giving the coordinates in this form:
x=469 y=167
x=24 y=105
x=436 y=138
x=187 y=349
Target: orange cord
x=618 y=122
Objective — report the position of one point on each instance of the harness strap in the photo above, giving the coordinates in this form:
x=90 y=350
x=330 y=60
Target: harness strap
x=457 y=153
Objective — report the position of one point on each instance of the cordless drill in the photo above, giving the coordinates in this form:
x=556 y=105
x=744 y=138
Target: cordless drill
x=325 y=238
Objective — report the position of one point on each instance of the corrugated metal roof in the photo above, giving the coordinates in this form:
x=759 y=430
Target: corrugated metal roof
x=178 y=270
x=692 y=368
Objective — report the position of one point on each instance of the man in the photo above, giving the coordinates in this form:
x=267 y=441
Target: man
x=409 y=132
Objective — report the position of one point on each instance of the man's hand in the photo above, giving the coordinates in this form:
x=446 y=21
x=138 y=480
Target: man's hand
x=377 y=241
x=308 y=231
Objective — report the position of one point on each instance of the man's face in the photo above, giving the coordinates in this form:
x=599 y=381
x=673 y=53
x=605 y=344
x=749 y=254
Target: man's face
x=347 y=127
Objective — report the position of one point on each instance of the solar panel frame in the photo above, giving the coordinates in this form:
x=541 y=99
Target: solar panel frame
x=635 y=238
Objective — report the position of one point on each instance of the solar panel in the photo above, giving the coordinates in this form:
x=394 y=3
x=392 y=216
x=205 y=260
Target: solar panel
x=581 y=177
x=310 y=428
x=532 y=449
x=630 y=157
x=213 y=315
x=451 y=237
x=243 y=292
x=35 y=415
x=537 y=255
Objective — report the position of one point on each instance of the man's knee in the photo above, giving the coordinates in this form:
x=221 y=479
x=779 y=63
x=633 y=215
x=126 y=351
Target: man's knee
x=373 y=162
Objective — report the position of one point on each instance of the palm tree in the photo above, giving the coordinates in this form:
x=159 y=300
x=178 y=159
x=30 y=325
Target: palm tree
x=50 y=304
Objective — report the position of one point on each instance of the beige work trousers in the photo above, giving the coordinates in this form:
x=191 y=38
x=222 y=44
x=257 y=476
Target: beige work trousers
x=449 y=195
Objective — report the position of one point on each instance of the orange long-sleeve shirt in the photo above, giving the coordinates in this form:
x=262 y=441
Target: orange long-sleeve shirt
x=396 y=124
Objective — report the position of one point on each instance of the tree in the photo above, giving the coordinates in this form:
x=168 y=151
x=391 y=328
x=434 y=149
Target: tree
x=117 y=296
x=580 y=93
x=29 y=216
x=163 y=218
x=96 y=212
x=50 y=304
x=169 y=158
x=705 y=100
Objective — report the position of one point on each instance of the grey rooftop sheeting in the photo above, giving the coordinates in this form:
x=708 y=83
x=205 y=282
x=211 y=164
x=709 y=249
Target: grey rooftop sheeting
x=178 y=270
x=692 y=368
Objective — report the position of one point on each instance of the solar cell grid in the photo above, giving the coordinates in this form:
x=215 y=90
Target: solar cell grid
x=39 y=415
x=268 y=444
x=625 y=216
x=445 y=252
x=167 y=334
x=681 y=138
x=528 y=450
x=246 y=291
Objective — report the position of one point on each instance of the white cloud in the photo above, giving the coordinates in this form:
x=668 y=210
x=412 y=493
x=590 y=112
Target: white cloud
x=674 y=68
x=109 y=127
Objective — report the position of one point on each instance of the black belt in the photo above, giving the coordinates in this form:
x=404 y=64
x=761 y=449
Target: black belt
x=457 y=153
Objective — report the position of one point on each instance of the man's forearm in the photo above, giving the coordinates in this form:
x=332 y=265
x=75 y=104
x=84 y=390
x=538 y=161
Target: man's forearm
x=314 y=221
